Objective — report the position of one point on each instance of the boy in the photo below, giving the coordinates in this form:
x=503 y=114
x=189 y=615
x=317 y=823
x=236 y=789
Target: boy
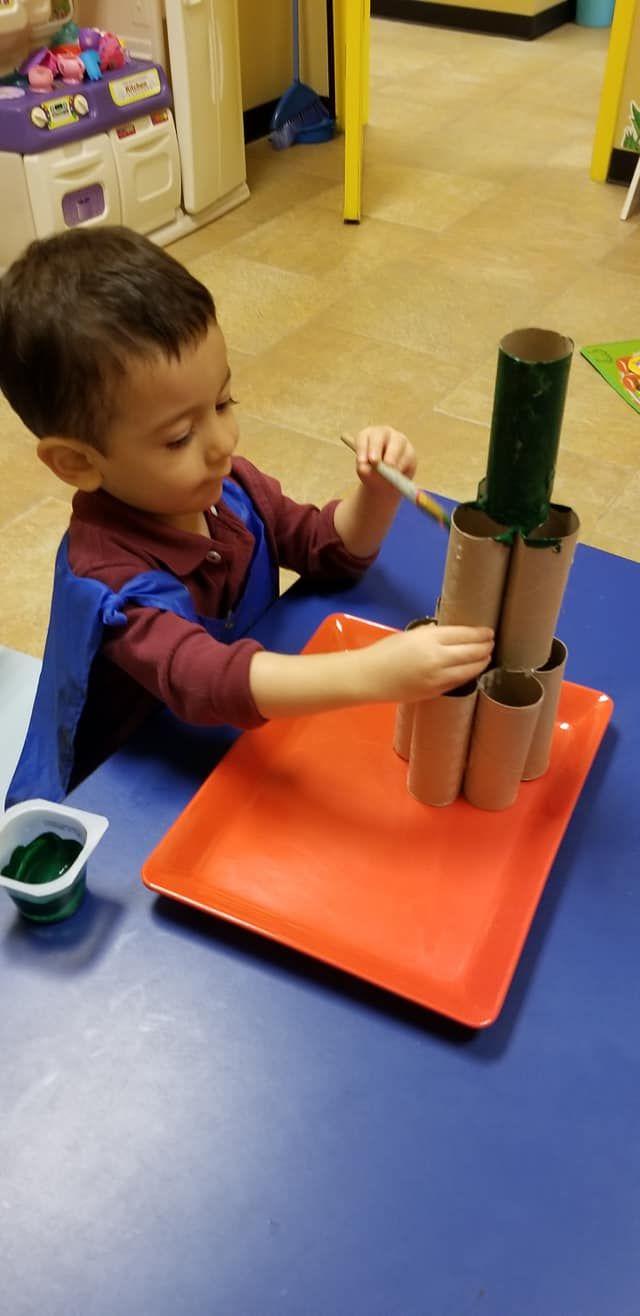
x=111 y=354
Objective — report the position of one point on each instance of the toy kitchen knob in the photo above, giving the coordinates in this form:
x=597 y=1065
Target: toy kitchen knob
x=81 y=105
x=38 y=117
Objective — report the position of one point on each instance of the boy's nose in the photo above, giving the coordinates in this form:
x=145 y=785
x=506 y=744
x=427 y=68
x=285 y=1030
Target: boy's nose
x=219 y=444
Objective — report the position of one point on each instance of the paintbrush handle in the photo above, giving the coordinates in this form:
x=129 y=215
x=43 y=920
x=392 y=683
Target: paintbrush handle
x=405 y=486
x=401 y=482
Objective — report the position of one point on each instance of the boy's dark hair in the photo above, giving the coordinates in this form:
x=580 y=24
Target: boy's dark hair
x=74 y=308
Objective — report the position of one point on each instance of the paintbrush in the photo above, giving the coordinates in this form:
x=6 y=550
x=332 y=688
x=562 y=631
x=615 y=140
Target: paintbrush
x=406 y=487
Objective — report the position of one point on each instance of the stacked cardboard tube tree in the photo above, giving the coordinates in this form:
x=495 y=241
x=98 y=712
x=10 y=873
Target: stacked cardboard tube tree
x=507 y=566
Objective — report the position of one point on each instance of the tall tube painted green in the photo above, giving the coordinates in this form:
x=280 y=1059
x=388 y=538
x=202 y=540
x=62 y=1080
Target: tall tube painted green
x=530 y=391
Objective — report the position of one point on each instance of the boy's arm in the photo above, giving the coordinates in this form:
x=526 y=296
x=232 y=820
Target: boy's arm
x=363 y=518
x=205 y=682
x=405 y=666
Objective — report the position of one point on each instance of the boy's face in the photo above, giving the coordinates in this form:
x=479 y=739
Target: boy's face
x=170 y=444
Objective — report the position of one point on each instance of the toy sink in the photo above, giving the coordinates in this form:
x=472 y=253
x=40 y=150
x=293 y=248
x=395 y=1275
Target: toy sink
x=47 y=902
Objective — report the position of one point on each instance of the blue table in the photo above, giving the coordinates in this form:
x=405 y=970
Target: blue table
x=197 y=1121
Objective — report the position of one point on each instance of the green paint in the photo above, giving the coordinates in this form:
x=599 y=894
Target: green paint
x=42 y=860
x=530 y=391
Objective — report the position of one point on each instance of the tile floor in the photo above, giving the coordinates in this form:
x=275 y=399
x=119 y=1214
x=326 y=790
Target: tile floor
x=479 y=216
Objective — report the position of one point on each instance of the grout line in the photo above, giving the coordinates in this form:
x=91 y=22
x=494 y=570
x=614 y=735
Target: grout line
x=28 y=511
x=468 y=420
x=290 y=429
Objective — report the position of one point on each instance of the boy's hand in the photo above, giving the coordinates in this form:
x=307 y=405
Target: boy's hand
x=363 y=518
x=426 y=661
x=411 y=665
x=380 y=443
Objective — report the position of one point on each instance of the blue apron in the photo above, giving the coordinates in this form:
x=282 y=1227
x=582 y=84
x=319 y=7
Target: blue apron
x=81 y=608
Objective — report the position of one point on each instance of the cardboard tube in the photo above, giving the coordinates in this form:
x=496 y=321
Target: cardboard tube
x=475 y=570
x=550 y=677
x=404 y=712
x=531 y=386
x=439 y=745
x=507 y=710
x=538 y=574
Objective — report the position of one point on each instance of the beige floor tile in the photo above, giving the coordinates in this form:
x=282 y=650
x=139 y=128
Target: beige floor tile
x=618 y=529
x=601 y=306
x=238 y=359
x=271 y=194
x=625 y=255
x=398 y=49
x=286 y=579
x=535 y=277
x=432 y=103
x=312 y=240
x=551 y=212
x=570 y=88
x=614 y=544
x=257 y=304
x=452 y=457
x=446 y=151
x=28 y=547
x=456 y=312
x=472 y=398
x=575 y=149
x=590 y=486
x=309 y=470
x=268 y=169
x=24 y=481
x=322 y=381
x=454 y=460
x=421 y=198
x=597 y=423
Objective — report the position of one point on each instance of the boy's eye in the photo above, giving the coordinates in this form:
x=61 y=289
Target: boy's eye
x=179 y=443
x=228 y=402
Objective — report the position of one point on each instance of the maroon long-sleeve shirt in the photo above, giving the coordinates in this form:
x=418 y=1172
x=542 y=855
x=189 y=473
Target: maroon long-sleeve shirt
x=159 y=657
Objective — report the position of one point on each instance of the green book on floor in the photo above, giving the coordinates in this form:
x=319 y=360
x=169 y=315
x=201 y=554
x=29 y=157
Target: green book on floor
x=619 y=364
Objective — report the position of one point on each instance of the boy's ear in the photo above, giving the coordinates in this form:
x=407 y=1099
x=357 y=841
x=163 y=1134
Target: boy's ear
x=74 y=462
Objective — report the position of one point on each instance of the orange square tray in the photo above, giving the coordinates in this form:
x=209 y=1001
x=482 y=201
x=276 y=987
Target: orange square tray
x=306 y=833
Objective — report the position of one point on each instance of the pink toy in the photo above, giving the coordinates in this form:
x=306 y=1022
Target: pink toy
x=71 y=68
x=37 y=63
x=110 y=51
x=40 y=77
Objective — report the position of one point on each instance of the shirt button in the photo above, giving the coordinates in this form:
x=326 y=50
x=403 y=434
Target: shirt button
x=213 y=556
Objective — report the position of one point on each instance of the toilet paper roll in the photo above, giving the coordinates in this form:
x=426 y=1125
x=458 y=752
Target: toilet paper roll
x=538 y=574
x=507 y=710
x=404 y=712
x=551 y=676
x=475 y=570
x=439 y=745
x=529 y=397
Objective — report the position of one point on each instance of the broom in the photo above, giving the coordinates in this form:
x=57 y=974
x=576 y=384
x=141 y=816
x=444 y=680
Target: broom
x=299 y=115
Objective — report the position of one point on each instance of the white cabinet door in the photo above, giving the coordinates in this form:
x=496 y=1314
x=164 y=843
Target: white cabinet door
x=73 y=184
x=146 y=156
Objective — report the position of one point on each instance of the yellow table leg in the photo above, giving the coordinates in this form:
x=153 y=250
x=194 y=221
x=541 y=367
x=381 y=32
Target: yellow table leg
x=366 y=60
x=619 y=43
x=356 y=32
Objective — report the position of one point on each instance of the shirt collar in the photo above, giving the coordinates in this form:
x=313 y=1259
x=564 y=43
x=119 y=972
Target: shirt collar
x=180 y=551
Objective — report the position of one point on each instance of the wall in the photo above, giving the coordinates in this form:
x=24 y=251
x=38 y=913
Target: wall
x=265 y=48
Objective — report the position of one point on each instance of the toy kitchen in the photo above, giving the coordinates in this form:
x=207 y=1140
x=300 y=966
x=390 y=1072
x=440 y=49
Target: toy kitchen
x=102 y=127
